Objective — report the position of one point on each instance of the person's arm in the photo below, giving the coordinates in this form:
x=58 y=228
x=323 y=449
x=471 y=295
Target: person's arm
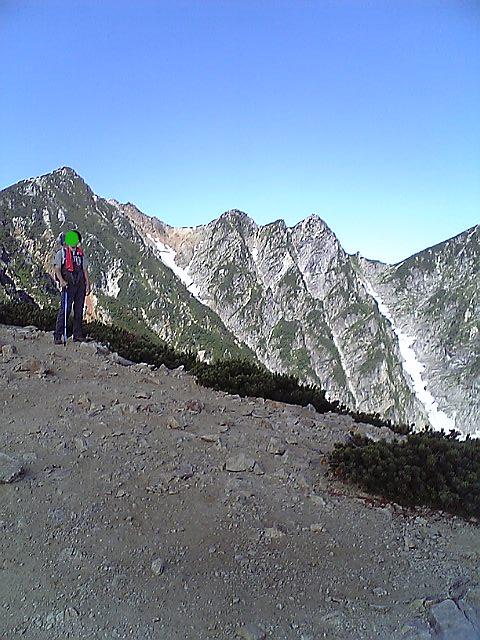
x=58 y=273
x=87 y=281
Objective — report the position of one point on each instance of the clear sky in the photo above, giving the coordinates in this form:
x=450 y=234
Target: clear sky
x=365 y=112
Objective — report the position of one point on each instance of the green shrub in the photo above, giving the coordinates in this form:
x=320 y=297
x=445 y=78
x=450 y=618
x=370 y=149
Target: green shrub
x=138 y=348
x=22 y=314
x=377 y=421
x=239 y=376
x=429 y=468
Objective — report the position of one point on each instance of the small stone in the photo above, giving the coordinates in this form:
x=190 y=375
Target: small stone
x=163 y=369
x=240 y=462
x=83 y=400
x=196 y=406
x=30 y=457
x=119 y=360
x=265 y=424
x=178 y=372
x=275 y=446
x=378 y=591
x=95 y=409
x=310 y=407
x=184 y=471
x=80 y=444
x=158 y=566
x=317 y=500
x=10 y=469
x=409 y=543
x=317 y=527
x=8 y=351
x=31 y=365
x=89 y=347
x=258 y=469
x=210 y=437
x=173 y=423
x=251 y=632
x=273 y=533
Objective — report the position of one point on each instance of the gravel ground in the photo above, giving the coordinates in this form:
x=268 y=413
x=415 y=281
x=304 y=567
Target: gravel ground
x=137 y=504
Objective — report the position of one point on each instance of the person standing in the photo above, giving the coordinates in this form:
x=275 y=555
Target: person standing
x=71 y=271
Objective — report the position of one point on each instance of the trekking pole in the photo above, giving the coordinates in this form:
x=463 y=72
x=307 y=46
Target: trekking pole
x=64 y=292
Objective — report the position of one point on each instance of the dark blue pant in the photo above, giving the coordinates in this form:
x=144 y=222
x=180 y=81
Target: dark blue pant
x=76 y=296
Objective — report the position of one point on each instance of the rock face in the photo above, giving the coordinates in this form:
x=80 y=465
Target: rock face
x=124 y=528
x=400 y=340
x=433 y=298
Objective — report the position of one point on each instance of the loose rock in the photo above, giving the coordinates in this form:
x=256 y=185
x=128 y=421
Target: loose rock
x=10 y=469
x=251 y=632
x=158 y=566
x=240 y=462
x=276 y=446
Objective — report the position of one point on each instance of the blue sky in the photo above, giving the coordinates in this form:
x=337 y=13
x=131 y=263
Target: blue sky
x=364 y=112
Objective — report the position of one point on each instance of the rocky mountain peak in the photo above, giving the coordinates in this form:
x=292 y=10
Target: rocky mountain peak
x=67 y=172
x=236 y=213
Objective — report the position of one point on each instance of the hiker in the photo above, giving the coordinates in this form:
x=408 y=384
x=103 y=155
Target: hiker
x=71 y=266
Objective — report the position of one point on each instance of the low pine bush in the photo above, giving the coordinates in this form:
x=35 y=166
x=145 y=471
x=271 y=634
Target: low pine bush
x=429 y=469
x=23 y=314
x=245 y=378
x=138 y=348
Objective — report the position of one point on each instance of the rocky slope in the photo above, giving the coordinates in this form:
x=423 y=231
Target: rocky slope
x=291 y=298
x=294 y=298
x=433 y=299
x=138 y=504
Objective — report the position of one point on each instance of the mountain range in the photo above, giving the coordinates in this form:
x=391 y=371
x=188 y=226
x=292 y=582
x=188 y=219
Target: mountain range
x=400 y=340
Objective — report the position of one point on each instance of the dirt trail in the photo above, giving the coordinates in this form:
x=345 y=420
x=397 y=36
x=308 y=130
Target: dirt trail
x=153 y=508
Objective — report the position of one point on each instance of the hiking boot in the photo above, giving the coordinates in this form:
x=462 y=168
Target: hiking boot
x=57 y=341
x=81 y=339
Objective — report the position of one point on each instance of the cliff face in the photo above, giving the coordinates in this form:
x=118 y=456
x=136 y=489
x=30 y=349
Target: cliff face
x=400 y=340
x=433 y=299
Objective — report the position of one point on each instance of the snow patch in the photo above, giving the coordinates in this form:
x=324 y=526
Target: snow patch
x=112 y=276
x=414 y=368
x=61 y=215
x=167 y=256
x=46 y=217
x=286 y=264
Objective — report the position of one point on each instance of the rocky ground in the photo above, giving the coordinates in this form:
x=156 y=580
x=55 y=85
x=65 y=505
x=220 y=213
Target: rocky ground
x=136 y=504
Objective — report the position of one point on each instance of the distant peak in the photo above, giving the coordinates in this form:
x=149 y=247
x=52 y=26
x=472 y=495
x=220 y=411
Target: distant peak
x=237 y=216
x=236 y=213
x=314 y=217
x=313 y=220
x=66 y=171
